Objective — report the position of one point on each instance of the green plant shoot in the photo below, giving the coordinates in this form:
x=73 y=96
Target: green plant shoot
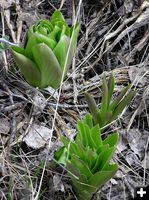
x=109 y=109
x=88 y=158
x=50 y=46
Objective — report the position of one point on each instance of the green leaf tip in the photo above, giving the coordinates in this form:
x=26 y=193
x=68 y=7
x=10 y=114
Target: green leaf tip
x=122 y=104
x=104 y=101
x=92 y=106
x=111 y=83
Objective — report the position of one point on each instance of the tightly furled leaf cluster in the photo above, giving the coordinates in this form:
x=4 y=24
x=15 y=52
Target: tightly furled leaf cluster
x=88 y=158
x=109 y=109
x=49 y=49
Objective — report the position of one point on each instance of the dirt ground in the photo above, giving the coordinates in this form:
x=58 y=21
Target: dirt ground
x=114 y=36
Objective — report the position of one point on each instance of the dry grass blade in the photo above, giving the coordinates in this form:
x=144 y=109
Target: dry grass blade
x=62 y=3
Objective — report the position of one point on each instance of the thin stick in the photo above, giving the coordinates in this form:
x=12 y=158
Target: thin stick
x=7 y=42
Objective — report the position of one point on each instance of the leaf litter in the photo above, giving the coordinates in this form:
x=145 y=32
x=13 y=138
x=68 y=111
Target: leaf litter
x=114 y=36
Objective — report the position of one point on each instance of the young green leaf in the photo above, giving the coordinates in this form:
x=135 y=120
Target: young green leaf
x=90 y=142
x=104 y=101
x=74 y=35
x=111 y=83
x=101 y=177
x=65 y=141
x=88 y=120
x=71 y=146
x=93 y=107
x=102 y=148
x=57 y=15
x=112 y=140
x=49 y=66
x=92 y=157
x=120 y=107
x=37 y=38
x=103 y=159
x=96 y=136
x=119 y=98
x=81 y=166
x=61 y=156
x=61 y=50
x=82 y=133
x=27 y=67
